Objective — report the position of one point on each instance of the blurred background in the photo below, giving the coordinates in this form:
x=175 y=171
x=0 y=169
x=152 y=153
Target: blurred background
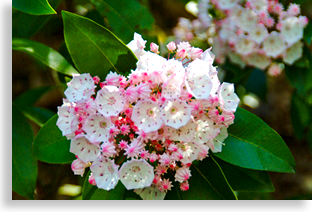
x=270 y=98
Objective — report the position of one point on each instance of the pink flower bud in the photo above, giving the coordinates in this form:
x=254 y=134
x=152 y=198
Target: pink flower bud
x=78 y=167
x=171 y=46
x=92 y=180
x=184 y=186
x=154 y=48
x=181 y=53
x=96 y=79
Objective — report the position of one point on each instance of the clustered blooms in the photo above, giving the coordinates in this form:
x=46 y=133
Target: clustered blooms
x=252 y=32
x=152 y=124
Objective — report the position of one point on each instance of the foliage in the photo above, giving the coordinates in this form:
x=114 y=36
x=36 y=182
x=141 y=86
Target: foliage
x=251 y=150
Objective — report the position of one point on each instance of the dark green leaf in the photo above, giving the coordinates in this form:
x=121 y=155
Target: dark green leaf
x=257 y=83
x=308 y=33
x=25 y=25
x=125 y=17
x=94 y=49
x=29 y=97
x=35 y=7
x=253 y=144
x=301 y=115
x=50 y=146
x=206 y=183
x=38 y=115
x=242 y=179
x=24 y=164
x=45 y=54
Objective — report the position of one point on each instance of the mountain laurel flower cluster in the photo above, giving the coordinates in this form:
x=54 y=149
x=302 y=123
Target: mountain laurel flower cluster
x=146 y=129
x=253 y=32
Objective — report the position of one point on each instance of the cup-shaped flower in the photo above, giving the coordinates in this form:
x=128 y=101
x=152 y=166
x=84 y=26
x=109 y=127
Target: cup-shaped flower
x=67 y=121
x=150 y=193
x=135 y=174
x=97 y=128
x=105 y=173
x=198 y=82
x=228 y=99
x=110 y=101
x=146 y=115
x=185 y=133
x=84 y=149
x=176 y=113
x=81 y=87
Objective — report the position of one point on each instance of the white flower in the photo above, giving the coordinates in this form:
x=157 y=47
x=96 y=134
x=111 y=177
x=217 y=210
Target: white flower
x=189 y=151
x=67 y=121
x=206 y=130
x=227 y=4
x=146 y=115
x=198 y=82
x=97 y=128
x=258 y=60
x=137 y=45
x=228 y=99
x=258 y=33
x=174 y=73
x=105 y=173
x=292 y=30
x=293 y=53
x=152 y=64
x=150 y=193
x=176 y=113
x=247 y=20
x=78 y=167
x=110 y=101
x=135 y=174
x=258 y=5
x=184 y=133
x=244 y=45
x=218 y=141
x=84 y=149
x=80 y=88
x=274 y=45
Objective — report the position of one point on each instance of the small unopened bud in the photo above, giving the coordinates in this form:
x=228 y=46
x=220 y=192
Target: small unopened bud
x=78 y=167
x=184 y=186
x=154 y=48
x=96 y=79
x=171 y=46
x=92 y=180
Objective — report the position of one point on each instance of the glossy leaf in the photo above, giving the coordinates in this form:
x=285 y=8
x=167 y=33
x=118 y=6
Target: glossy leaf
x=94 y=49
x=45 y=54
x=242 y=179
x=207 y=182
x=50 y=146
x=24 y=164
x=122 y=18
x=35 y=7
x=25 y=25
x=253 y=144
x=39 y=115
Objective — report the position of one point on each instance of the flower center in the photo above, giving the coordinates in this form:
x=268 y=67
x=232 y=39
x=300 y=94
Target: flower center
x=110 y=169
x=150 y=112
x=111 y=101
x=135 y=169
x=173 y=110
x=185 y=147
x=103 y=124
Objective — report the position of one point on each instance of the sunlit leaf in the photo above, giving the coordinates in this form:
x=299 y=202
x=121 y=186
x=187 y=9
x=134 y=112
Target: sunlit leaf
x=35 y=7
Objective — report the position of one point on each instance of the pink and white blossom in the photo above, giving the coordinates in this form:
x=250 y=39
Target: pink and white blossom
x=135 y=174
x=105 y=173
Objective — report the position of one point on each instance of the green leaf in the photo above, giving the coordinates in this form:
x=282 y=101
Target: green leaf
x=257 y=83
x=308 y=33
x=94 y=49
x=301 y=115
x=25 y=101
x=25 y=25
x=122 y=18
x=45 y=54
x=248 y=180
x=253 y=144
x=24 y=164
x=50 y=146
x=207 y=182
x=35 y=7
